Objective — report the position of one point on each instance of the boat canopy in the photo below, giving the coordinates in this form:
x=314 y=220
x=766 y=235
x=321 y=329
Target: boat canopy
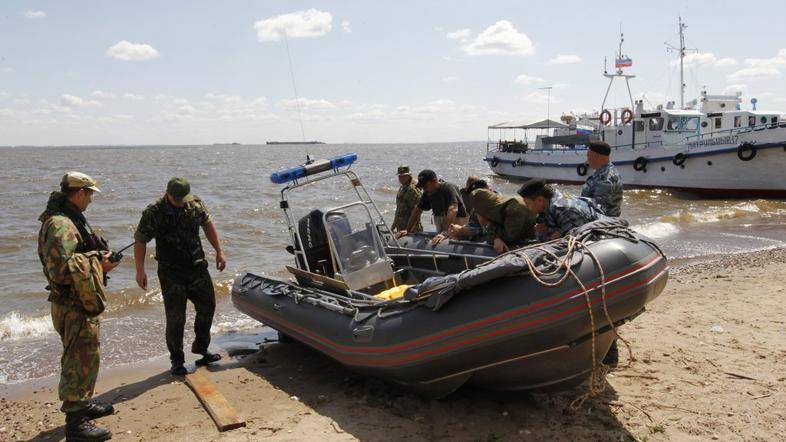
x=542 y=124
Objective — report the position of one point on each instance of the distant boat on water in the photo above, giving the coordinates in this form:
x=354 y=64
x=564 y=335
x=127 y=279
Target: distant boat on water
x=294 y=142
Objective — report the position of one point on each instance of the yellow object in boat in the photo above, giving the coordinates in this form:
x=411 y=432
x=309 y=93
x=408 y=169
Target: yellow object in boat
x=391 y=294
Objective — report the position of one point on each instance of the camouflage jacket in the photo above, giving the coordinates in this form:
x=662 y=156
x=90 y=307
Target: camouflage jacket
x=75 y=276
x=566 y=213
x=605 y=187
x=406 y=199
x=176 y=231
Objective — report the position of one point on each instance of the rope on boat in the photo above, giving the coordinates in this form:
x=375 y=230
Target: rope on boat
x=597 y=383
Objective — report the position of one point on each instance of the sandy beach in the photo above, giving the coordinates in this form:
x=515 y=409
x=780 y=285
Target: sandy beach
x=709 y=357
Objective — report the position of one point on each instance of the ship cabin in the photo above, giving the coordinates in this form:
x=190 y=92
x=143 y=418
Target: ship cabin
x=710 y=117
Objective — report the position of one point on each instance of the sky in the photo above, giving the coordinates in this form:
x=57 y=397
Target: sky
x=248 y=71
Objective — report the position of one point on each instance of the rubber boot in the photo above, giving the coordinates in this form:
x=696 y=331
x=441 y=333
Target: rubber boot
x=81 y=429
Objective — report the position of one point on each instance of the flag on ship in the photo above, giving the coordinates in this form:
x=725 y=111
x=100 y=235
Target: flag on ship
x=624 y=61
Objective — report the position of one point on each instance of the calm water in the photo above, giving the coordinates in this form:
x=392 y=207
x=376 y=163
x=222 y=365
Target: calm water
x=233 y=181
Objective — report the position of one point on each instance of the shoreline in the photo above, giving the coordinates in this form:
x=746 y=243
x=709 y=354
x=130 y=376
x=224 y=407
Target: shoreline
x=708 y=365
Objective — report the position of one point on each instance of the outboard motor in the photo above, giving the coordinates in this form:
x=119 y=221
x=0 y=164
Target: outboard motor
x=315 y=242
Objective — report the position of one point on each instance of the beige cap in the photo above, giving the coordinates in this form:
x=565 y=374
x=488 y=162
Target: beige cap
x=79 y=180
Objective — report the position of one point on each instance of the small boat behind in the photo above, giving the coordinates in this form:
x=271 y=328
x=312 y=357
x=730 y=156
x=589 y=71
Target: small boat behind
x=434 y=318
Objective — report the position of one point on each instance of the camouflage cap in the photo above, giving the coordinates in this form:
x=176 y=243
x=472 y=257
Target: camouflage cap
x=179 y=189
x=404 y=170
x=79 y=180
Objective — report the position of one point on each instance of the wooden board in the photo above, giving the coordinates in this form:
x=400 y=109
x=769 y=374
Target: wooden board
x=223 y=414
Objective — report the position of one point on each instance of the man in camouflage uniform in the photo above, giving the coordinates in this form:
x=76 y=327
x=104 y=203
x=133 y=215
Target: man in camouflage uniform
x=407 y=199
x=605 y=184
x=74 y=265
x=174 y=222
x=560 y=213
x=507 y=219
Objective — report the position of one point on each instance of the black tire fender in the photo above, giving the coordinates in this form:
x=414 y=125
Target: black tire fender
x=494 y=162
x=581 y=169
x=746 y=152
x=679 y=159
x=640 y=164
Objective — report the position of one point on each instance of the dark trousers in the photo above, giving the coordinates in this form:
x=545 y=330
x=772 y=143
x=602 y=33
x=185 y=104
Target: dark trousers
x=177 y=287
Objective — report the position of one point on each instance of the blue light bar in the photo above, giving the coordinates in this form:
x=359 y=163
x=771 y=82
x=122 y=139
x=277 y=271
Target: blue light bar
x=293 y=173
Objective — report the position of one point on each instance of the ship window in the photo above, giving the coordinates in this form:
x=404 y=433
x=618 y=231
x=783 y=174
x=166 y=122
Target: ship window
x=656 y=123
x=704 y=124
x=737 y=121
x=717 y=123
x=673 y=124
x=763 y=120
x=722 y=105
x=638 y=126
x=751 y=121
x=774 y=120
x=689 y=123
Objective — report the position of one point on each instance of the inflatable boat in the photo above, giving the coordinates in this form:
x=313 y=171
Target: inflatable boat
x=433 y=318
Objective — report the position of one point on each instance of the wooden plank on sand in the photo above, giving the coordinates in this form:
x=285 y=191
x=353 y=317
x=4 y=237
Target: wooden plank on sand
x=223 y=414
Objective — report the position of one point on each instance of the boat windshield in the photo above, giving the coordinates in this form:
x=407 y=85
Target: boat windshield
x=360 y=255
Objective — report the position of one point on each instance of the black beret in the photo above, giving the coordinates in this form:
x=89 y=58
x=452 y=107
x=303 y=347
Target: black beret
x=532 y=188
x=600 y=147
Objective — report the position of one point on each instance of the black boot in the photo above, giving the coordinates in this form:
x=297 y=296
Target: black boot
x=207 y=358
x=81 y=429
x=97 y=409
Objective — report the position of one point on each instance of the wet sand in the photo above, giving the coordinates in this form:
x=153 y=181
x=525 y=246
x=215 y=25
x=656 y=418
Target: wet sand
x=709 y=364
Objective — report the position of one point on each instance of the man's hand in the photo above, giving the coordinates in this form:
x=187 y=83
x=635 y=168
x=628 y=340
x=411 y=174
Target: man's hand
x=221 y=261
x=438 y=239
x=106 y=263
x=456 y=231
x=141 y=280
x=556 y=235
x=401 y=233
x=500 y=246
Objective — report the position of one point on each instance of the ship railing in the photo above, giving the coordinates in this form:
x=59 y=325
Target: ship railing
x=734 y=131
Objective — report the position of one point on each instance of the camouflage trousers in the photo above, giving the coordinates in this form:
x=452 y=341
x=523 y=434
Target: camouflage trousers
x=79 y=363
x=177 y=288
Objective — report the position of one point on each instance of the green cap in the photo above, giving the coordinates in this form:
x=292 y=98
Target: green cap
x=179 y=189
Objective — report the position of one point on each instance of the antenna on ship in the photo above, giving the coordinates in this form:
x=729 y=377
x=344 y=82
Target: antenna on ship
x=621 y=61
x=682 y=49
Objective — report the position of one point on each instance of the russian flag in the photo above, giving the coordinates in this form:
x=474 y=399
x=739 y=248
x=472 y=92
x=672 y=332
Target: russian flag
x=624 y=62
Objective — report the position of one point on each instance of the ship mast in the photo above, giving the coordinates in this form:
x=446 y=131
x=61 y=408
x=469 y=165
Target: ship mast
x=619 y=73
x=682 y=50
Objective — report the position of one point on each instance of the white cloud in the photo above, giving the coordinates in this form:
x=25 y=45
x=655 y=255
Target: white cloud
x=345 y=26
x=34 y=14
x=726 y=62
x=705 y=59
x=461 y=35
x=755 y=72
x=449 y=79
x=526 y=79
x=565 y=59
x=501 y=38
x=6 y=70
x=761 y=67
x=541 y=97
x=102 y=95
x=72 y=101
x=306 y=104
x=734 y=88
x=127 y=51
x=135 y=97
x=300 y=24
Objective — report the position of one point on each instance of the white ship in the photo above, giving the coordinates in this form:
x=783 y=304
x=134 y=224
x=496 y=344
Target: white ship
x=708 y=146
